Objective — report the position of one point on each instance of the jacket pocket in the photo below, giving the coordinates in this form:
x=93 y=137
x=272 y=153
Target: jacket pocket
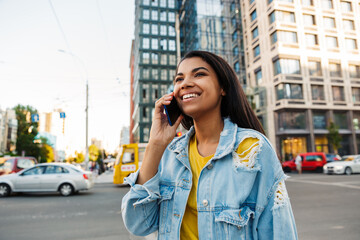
x=234 y=223
x=166 y=208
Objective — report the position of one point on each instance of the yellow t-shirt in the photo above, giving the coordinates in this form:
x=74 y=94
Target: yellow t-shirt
x=189 y=226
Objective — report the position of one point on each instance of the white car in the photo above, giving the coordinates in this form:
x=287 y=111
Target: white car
x=47 y=177
x=347 y=165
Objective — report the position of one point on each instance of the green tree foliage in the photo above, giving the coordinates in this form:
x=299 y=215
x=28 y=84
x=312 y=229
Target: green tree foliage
x=46 y=151
x=27 y=131
x=334 y=137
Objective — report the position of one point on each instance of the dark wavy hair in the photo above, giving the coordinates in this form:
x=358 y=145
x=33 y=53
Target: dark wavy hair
x=234 y=104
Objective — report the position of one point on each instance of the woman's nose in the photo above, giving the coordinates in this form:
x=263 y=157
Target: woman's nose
x=187 y=82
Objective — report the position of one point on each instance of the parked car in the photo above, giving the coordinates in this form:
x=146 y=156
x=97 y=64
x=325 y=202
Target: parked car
x=15 y=164
x=47 y=177
x=348 y=165
x=330 y=157
x=312 y=161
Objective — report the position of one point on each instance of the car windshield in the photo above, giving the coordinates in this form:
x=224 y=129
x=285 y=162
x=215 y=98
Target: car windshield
x=347 y=158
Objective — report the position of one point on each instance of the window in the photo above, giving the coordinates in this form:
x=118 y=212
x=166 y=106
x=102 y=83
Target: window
x=255 y=33
x=146 y=43
x=251 y=1
x=146 y=14
x=256 y=51
x=292 y=120
x=338 y=93
x=308 y=2
x=162 y=30
x=162 y=3
x=25 y=163
x=327 y=4
x=172 y=74
x=232 y=7
x=317 y=92
x=154 y=58
x=348 y=24
x=146 y=58
x=171 y=31
x=356 y=121
x=34 y=171
x=233 y=21
x=164 y=74
x=172 y=45
x=329 y=22
x=146 y=28
x=163 y=44
x=335 y=70
x=309 y=20
x=315 y=68
x=155 y=92
x=272 y=17
x=289 y=1
x=258 y=77
x=354 y=71
x=319 y=120
x=154 y=44
x=155 y=74
x=163 y=60
x=253 y=15
x=172 y=59
x=163 y=16
x=146 y=73
x=289 y=91
x=237 y=67
x=236 y=51
x=171 y=3
x=331 y=42
x=355 y=94
x=340 y=119
x=346 y=6
x=146 y=2
x=283 y=36
x=171 y=17
x=286 y=66
x=154 y=29
x=154 y=15
x=285 y=16
x=311 y=39
x=350 y=44
x=234 y=36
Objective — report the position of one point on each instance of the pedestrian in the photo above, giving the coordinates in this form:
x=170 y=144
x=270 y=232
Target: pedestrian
x=298 y=163
x=222 y=179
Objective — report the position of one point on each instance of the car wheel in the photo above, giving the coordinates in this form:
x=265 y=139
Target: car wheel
x=66 y=189
x=287 y=169
x=348 y=171
x=4 y=190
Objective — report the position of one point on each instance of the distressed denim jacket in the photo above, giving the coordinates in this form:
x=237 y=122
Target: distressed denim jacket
x=234 y=200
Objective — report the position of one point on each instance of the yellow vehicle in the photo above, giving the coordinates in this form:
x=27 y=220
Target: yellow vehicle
x=128 y=160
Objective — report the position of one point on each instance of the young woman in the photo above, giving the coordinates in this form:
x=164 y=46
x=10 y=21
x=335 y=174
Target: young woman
x=222 y=180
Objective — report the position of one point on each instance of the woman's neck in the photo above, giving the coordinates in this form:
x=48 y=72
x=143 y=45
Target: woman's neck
x=208 y=129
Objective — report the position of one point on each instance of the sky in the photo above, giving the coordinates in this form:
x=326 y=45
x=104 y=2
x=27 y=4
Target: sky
x=94 y=37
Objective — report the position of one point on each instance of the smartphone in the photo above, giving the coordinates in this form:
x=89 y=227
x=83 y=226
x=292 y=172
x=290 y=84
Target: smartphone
x=172 y=111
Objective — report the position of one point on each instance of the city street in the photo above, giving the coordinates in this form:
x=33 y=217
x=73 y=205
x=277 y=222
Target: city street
x=325 y=207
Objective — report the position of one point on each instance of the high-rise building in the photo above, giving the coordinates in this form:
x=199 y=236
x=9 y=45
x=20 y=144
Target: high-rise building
x=215 y=26
x=153 y=61
x=8 y=130
x=303 y=62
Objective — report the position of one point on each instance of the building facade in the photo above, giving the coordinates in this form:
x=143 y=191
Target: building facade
x=303 y=63
x=153 y=61
x=8 y=131
x=215 y=26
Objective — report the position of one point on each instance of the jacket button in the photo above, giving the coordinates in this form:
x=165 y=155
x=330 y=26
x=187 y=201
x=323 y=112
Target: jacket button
x=205 y=202
x=210 y=166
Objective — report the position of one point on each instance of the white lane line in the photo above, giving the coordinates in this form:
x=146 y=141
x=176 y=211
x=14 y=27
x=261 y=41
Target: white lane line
x=324 y=183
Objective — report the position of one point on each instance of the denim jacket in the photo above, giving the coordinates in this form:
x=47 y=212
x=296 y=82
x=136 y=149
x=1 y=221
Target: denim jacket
x=234 y=200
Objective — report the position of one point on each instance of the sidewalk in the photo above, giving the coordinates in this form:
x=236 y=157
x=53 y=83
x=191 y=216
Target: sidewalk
x=106 y=177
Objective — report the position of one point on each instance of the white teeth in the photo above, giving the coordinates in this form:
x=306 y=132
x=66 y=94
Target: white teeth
x=191 y=95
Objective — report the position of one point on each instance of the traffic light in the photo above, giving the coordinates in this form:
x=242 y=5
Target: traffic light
x=178 y=134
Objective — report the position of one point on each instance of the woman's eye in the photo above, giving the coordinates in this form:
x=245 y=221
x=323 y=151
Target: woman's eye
x=200 y=74
x=178 y=79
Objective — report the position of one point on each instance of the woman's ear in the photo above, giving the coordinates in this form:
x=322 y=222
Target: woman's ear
x=222 y=92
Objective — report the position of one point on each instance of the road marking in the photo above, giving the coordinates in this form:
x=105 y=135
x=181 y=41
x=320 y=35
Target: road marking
x=324 y=183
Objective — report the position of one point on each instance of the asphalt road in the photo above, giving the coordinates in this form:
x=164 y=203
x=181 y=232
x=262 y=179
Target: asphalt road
x=325 y=207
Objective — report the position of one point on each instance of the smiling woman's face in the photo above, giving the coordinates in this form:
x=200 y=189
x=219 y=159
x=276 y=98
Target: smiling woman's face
x=197 y=88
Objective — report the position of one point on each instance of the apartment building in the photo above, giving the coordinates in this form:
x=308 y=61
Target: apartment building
x=153 y=61
x=303 y=64
x=8 y=131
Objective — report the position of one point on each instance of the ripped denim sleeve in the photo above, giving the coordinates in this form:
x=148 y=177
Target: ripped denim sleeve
x=283 y=219
x=246 y=153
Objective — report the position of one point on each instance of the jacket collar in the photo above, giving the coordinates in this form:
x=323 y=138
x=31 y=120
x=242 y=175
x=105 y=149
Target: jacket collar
x=225 y=146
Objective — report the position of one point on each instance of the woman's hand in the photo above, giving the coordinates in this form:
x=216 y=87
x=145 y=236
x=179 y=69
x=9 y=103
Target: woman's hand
x=161 y=131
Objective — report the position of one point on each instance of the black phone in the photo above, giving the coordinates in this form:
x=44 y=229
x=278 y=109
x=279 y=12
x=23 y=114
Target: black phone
x=172 y=111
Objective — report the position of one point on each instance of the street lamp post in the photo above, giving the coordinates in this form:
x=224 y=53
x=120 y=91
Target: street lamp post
x=86 y=108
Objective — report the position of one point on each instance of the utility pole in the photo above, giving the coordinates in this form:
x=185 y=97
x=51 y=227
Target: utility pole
x=87 y=126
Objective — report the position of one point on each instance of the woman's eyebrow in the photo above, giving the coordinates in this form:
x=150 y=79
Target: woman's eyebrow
x=194 y=70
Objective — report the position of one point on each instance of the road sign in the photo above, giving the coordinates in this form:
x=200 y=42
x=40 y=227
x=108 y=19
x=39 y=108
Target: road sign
x=34 y=117
x=62 y=114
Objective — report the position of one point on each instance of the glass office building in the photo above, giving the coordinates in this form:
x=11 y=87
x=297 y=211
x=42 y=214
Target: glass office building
x=215 y=26
x=153 y=61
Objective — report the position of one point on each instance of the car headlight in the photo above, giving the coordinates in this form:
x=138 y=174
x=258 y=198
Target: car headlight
x=338 y=167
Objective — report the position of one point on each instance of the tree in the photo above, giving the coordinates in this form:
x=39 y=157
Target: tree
x=334 y=137
x=46 y=151
x=26 y=131
x=93 y=153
